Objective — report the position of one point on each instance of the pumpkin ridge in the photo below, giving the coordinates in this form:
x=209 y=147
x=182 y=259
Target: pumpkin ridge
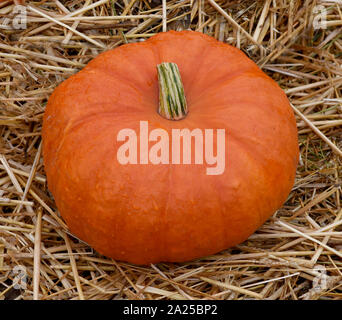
x=247 y=144
x=119 y=77
x=225 y=80
x=198 y=70
x=72 y=124
x=56 y=150
x=254 y=157
x=164 y=213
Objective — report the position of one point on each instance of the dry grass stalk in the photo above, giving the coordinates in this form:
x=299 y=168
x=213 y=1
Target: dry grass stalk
x=298 y=248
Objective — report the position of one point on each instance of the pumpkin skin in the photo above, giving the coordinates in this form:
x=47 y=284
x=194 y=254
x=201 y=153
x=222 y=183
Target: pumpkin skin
x=145 y=213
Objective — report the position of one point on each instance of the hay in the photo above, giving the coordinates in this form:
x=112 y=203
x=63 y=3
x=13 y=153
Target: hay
x=295 y=255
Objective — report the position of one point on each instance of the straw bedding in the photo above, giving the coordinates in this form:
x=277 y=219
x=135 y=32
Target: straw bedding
x=296 y=254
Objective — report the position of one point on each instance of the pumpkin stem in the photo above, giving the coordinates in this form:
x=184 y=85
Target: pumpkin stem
x=172 y=102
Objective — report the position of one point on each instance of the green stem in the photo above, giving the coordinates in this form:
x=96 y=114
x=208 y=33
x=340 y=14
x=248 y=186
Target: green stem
x=172 y=102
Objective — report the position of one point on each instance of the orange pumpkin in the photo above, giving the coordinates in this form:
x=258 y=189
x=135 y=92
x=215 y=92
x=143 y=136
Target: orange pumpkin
x=146 y=213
